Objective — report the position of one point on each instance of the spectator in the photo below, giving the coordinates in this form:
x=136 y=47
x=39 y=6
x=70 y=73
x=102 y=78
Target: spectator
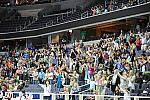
x=59 y=81
x=114 y=81
x=93 y=9
x=138 y=44
x=92 y=85
x=131 y=81
x=74 y=90
x=24 y=96
x=144 y=43
x=117 y=91
x=98 y=10
x=35 y=76
x=41 y=76
x=124 y=84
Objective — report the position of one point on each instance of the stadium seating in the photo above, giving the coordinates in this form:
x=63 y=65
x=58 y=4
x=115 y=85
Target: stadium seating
x=28 y=23
x=16 y=24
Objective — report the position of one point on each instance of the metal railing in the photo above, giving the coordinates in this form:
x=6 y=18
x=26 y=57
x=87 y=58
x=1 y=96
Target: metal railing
x=67 y=96
x=87 y=13
x=72 y=11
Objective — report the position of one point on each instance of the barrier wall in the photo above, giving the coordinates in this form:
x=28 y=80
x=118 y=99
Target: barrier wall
x=42 y=96
x=119 y=14
x=17 y=96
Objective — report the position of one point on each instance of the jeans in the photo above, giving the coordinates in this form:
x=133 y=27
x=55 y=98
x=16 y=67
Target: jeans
x=31 y=80
x=35 y=82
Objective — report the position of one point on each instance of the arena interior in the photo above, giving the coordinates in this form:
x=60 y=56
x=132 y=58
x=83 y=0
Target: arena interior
x=74 y=49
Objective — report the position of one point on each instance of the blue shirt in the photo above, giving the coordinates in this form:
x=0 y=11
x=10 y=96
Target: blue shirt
x=119 y=66
x=41 y=75
x=26 y=56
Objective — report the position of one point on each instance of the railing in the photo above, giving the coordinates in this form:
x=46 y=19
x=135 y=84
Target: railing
x=61 y=16
x=34 y=19
x=51 y=96
x=87 y=13
x=60 y=13
x=83 y=15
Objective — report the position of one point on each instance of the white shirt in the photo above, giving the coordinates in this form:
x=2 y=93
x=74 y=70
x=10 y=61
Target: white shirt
x=92 y=84
x=131 y=82
x=143 y=68
x=114 y=78
x=143 y=40
x=51 y=75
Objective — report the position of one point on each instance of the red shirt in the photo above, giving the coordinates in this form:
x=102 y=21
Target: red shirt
x=19 y=71
x=138 y=42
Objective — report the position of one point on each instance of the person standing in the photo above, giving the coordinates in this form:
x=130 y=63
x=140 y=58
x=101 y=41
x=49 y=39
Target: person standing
x=138 y=44
x=93 y=9
x=24 y=96
x=92 y=85
x=131 y=81
x=41 y=76
x=35 y=76
x=59 y=81
x=115 y=81
x=124 y=81
x=74 y=90
x=144 y=43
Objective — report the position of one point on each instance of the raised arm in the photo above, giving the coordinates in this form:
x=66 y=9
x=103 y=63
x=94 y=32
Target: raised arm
x=121 y=75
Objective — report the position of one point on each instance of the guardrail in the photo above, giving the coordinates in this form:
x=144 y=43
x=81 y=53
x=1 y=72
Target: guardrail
x=42 y=96
x=96 y=97
x=135 y=11
x=17 y=96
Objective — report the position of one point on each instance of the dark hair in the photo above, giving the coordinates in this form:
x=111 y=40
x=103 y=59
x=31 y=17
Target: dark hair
x=23 y=91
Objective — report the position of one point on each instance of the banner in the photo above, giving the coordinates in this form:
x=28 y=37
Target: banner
x=18 y=95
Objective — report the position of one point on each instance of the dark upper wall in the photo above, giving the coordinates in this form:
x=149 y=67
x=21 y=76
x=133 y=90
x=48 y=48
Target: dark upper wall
x=111 y=16
x=33 y=10
x=65 y=4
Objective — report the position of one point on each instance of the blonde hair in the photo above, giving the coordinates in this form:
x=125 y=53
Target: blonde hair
x=131 y=73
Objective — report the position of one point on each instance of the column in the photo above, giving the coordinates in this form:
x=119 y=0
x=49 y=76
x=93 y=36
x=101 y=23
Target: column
x=53 y=97
x=98 y=31
x=66 y=97
x=49 y=39
x=81 y=97
x=99 y=97
x=115 y=98
x=28 y=43
x=136 y=98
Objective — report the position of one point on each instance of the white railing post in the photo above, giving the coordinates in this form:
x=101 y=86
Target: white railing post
x=99 y=97
x=81 y=97
x=53 y=97
x=136 y=98
x=66 y=97
x=115 y=98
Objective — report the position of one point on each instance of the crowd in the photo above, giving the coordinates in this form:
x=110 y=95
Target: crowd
x=23 y=2
x=113 y=66
x=114 y=5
